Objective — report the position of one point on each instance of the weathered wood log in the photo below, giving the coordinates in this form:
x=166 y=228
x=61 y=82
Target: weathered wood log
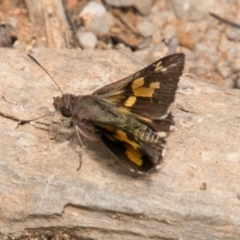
x=50 y=20
x=195 y=194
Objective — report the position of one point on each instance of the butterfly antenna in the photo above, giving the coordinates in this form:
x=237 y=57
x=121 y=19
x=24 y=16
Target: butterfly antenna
x=35 y=60
x=22 y=122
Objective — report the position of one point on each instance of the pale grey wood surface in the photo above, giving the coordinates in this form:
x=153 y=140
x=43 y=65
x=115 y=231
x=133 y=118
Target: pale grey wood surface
x=195 y=194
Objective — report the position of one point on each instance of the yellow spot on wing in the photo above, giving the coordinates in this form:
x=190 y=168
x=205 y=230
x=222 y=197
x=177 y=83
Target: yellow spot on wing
x=159 y=67
x=122 y=136
x=138 y=83
x=143 y=92
x=123 y=110
x=145 y=119
x=134 y=155
x=117 y=93
x=107 y=127
x=159 y=64
x=130 y=101
x=155 y=85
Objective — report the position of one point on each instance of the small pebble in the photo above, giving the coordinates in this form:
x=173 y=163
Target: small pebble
x=144 y=7
x=233 y=34
x=145 y=28
x=207 y=52
x=92 y=11
x=224 y=69
x=96 y=19
x=13 y=22
x=87 y=39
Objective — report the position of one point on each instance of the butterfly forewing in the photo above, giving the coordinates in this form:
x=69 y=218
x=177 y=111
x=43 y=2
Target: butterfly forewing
x=150 y=91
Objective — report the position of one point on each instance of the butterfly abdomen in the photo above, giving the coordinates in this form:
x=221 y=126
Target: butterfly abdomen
x=146 y=134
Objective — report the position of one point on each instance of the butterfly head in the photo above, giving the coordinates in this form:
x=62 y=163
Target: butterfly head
x=64 y=104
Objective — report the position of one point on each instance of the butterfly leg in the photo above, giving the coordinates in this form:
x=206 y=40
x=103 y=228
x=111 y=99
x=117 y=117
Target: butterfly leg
x=78 y=131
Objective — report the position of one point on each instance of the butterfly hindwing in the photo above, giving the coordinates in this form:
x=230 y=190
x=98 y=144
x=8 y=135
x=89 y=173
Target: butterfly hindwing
x=136 y=142
x=136 y=155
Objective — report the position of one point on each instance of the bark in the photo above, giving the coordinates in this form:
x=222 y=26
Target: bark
x=195 y=194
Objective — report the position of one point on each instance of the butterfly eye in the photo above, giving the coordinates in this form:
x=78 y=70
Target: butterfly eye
x=66 y=112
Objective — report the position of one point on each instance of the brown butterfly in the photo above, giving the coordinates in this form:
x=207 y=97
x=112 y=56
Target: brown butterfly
x=131 y=116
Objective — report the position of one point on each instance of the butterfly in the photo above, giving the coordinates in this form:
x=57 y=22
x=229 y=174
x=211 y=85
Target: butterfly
x=132 y=116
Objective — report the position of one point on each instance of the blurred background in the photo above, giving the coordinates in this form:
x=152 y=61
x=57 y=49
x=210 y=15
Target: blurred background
x=207 y=31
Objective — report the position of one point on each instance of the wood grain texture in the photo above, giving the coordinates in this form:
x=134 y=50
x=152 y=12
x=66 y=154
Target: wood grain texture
x=41 y=190
x=50 y=21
